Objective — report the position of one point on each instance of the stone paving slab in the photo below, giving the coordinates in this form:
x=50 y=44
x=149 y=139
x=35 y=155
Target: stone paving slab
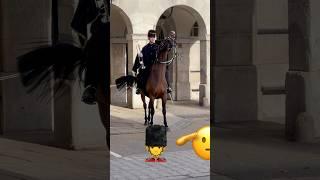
x=20 y=160
x=6 y=175
x=179 y=165
x=137 y=115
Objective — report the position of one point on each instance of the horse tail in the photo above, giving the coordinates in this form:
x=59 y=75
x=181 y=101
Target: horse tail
x=124 y=81
x=39 y=66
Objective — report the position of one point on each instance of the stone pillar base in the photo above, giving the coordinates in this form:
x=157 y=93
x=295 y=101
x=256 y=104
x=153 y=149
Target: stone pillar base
x=295 y=102
x=134 y=100
x=183 y=91
x=203 y=98
x=305 y=128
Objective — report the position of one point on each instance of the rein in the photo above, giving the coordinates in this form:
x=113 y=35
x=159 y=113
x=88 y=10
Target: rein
x=169 y=61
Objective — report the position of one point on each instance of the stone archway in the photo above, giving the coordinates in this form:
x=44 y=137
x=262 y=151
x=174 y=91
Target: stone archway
x=190 y=73
x=120 y=28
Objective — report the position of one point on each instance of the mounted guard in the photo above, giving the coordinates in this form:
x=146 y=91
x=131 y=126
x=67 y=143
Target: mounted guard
x=146 y=57
x=153 y=80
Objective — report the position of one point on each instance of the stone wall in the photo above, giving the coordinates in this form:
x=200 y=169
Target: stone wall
x=235 y=83
x=271 y=57
x=139 y=18
x=24 y=25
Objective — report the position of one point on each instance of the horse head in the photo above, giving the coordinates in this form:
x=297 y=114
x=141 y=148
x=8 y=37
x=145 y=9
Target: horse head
x=165 y=47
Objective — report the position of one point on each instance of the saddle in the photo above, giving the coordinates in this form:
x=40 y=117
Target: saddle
x=143 y=77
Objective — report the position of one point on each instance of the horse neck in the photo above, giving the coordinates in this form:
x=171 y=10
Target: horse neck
x=159 y=68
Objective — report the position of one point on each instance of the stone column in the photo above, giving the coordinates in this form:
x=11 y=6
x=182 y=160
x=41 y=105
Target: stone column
x=76 y=124
x=235 y=75
x=23 y=26
x=182 y=71
x=313 y=77
x=204 y=87
x=304 y=44
x=134 y=101
x=118 y=69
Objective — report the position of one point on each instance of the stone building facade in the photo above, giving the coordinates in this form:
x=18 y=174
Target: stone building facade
x=257 y=47
x=190 y=73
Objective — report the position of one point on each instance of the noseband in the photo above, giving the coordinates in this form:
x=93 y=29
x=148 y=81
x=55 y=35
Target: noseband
x=174 y=54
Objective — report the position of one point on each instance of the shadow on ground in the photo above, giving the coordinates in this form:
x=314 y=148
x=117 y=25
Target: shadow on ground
x=258 y=150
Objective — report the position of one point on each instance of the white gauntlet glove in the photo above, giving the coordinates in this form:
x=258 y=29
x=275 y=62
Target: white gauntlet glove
x=134 y=73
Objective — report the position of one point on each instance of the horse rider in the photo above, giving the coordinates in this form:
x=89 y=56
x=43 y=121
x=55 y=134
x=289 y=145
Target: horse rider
x=172 y=36
x=145 y=59
x=94 y=12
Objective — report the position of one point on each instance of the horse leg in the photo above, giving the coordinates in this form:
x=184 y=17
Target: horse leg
x=164 y=111
x=143 y=98
x=103 y=112
x=151 y=109
x=149 y=112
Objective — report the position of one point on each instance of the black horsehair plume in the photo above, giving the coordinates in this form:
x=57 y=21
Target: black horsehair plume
x=125 y=81
x=58 y=62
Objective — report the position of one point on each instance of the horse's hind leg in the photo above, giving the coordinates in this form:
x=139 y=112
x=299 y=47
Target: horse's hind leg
x=151 y=110
x=143 y=98
x=164 y=111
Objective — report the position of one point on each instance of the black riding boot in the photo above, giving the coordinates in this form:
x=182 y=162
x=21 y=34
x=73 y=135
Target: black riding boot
x=169 y=90
x=141 y=78
x=89 y=95
x=138 y=91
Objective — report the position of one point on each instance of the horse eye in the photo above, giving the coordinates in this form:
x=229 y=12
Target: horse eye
x=203 y=139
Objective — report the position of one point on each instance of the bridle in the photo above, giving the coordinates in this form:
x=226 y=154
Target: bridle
x=174 y=56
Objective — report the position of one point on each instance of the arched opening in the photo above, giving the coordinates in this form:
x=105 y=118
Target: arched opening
x=120 y=27
x=185 y=74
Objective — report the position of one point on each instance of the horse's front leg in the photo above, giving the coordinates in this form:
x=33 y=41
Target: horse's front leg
x=149 y=114
x=151 y=110
x=143 y=98
x=104 y=114
x=164 y=111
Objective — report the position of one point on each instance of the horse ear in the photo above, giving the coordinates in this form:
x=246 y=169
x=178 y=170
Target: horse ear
x=184 y=139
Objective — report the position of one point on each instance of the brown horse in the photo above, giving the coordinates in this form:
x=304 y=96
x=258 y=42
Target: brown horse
x=156 y=84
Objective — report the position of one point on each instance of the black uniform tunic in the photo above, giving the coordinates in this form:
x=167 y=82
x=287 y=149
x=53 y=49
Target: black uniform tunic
x=149 y=52
x=96 y=47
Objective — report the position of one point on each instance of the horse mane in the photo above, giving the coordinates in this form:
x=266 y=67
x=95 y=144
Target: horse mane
x=163 y=47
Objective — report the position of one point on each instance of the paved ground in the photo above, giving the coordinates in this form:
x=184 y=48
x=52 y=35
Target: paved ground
x=257 y=150
x=128 y=138
x=244 y=151
x=19 y=160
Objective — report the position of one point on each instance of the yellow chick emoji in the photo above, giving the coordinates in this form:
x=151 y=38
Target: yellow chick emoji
x=200 y=142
